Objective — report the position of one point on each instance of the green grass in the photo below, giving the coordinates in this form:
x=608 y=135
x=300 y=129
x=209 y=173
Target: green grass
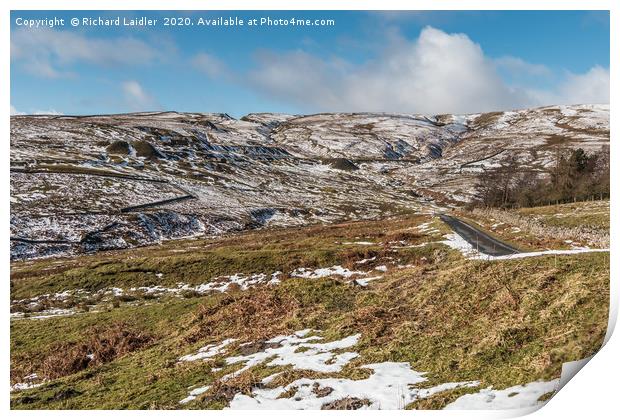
x=198 y=261
x=502 y=322
x=123 y=383
x=594 y=214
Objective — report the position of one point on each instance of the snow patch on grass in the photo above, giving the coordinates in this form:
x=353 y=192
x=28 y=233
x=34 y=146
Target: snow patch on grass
x=318 y=273
x=482 y=256
x=519 y=396
x=365 y=260
x=427 y=228
x=29 y=382
x=455 y=241
x=364 y=281
x=389 y=387
x=207 y=352
x=300 y=351
x=48 y=313
x=194 y=393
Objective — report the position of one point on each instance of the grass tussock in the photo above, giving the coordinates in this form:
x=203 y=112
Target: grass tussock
x=262 y=313
x=101 y=346
x=349 y=403
x=221 y=393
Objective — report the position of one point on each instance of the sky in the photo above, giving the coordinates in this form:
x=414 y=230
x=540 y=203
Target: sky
x=427 y=62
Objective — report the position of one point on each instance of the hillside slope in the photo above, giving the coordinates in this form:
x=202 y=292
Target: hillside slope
x=81 y=184
x=387 y=314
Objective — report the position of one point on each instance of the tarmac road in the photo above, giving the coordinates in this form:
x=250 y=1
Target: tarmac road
x=478 y=239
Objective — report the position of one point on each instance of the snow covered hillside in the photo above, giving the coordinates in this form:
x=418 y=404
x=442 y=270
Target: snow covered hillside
x=82 y=184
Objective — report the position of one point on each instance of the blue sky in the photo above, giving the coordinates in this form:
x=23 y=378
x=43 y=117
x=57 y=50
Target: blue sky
x=411 y=62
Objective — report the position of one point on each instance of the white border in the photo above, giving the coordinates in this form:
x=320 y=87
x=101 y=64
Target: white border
x=592 y=394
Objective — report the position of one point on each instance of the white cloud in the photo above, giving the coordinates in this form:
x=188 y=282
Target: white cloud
x=49 y=53
x=208 y=64
x=436 y=73
x=590 y=87
x=136 y=98
x=14 y=111
x=46 y=112
x=517 y=65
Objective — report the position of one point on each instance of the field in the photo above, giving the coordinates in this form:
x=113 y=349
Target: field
x=313 y=317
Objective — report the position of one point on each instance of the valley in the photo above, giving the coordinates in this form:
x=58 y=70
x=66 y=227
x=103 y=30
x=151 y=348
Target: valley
x=331 y=261
x=84 y=184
